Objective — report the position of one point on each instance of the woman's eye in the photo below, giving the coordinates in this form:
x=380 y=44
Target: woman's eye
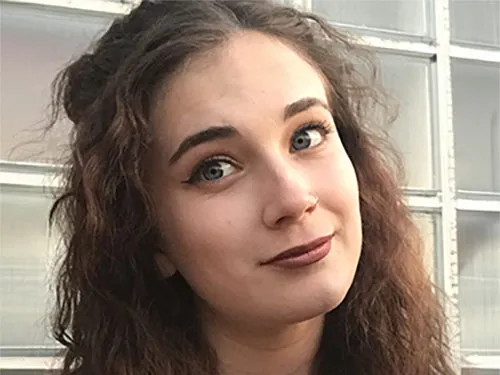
x=308 y=136
x=211 y=171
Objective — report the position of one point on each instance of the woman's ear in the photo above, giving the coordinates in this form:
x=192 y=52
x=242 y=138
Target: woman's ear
x=165 y=265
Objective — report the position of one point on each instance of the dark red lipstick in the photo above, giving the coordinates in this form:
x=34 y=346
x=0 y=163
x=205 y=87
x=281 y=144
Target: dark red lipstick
x=303 y=255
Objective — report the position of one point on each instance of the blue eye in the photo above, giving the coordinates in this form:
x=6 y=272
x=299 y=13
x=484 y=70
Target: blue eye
x=308 y=136
x=211 y=170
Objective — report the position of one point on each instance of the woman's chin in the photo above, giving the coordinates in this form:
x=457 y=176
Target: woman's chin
x=305 y=306
x=318 y=308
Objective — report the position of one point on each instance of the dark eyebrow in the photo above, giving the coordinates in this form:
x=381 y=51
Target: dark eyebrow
x=223 y=132
x=208 y=135
x=303 y=105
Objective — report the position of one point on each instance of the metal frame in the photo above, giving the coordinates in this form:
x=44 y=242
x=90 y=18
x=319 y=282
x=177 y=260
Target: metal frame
x=475 y=54
x=424 y=204
x=30 y=363
x=400 y=47
x=483 y=362
x=29 y=175
x=95 y=6
x=478 y=205
x=444 y=203
x=449 y=253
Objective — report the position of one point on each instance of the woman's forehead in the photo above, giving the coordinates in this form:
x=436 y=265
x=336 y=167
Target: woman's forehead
x=251 y=75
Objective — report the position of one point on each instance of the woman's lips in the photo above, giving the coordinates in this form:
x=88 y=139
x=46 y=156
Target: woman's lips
x=303 y=255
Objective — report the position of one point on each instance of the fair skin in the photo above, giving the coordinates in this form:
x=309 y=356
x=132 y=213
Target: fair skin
x=279 y=178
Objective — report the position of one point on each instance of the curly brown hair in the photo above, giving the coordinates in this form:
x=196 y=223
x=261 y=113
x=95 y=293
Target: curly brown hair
x=113 y=314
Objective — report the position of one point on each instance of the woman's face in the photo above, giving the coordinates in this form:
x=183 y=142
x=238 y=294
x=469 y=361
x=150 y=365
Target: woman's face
x=250 y=165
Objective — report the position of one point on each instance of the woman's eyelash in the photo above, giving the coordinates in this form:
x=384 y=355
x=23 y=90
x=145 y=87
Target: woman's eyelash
x=323 y=126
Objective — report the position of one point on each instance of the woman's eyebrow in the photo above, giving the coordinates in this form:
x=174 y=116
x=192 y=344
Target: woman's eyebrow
x=214 y=133
x=204 y=136
x=304 y=104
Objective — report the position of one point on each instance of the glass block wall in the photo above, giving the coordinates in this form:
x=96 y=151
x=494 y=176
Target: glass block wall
x=439 y=58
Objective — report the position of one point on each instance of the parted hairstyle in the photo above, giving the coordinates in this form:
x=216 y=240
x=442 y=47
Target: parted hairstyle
x=114 y=313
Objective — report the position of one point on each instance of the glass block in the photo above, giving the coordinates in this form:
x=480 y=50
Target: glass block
x=479 y=282
x=476 y=111
x=407 y=81
x=26 y=257
x=35 y=44
x=475 y=22
x=407 y=16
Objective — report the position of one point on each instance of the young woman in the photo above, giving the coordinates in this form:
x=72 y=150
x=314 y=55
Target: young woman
x=228 y=209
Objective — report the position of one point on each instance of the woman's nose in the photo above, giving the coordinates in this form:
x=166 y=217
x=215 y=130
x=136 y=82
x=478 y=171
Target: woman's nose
x=290 y=201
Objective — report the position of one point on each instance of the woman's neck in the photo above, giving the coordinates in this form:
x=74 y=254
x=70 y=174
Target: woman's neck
x=240 y=350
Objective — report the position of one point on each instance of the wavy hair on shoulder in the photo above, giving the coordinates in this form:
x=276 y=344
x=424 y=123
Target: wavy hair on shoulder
x=114 y=314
